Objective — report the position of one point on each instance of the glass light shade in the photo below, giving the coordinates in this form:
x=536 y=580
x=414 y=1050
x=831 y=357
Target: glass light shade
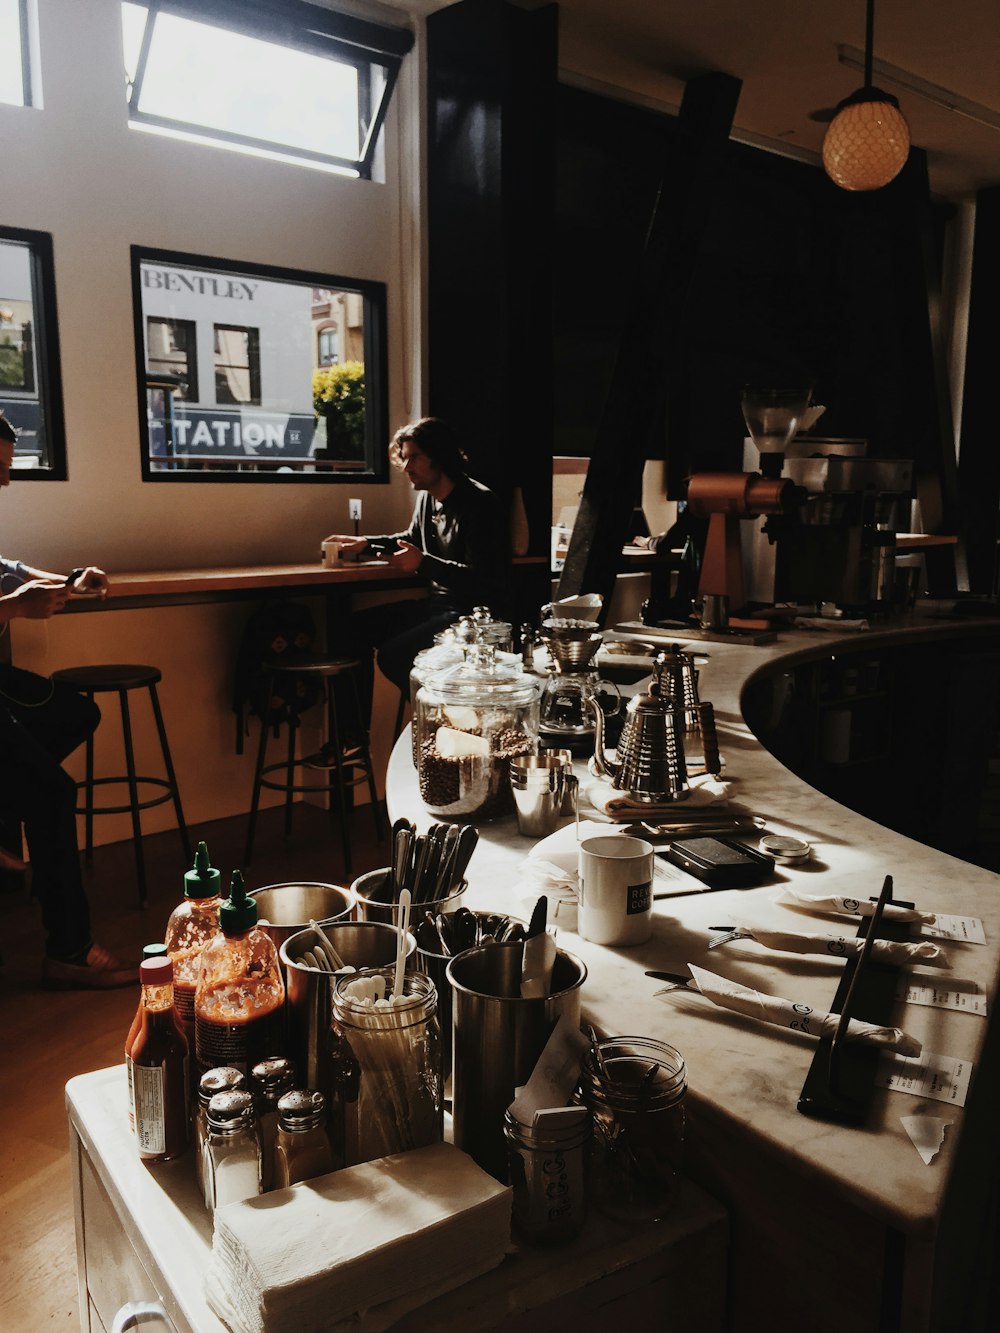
x=867 y=142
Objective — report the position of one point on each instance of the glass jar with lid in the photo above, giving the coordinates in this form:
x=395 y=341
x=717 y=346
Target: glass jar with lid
x=386 y=1070
x=470 y=720
x=450 y=648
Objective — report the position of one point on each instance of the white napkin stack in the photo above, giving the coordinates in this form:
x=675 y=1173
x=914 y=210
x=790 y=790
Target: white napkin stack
x=379 y=1238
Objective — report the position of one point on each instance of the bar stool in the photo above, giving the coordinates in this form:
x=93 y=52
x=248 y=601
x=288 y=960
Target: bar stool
x=120 y=679
x=345 y=771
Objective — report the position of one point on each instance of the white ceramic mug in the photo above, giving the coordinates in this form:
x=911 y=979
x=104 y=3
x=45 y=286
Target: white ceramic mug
x=616 y=890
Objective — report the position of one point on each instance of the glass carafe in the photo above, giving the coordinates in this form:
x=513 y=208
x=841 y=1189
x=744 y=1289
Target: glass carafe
x=567 y=702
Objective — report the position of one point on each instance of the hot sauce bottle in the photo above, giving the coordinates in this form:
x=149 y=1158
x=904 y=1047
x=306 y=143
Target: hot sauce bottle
x=155 y=950
x=239 y=1003
x=159 y=1062
x=193 y=922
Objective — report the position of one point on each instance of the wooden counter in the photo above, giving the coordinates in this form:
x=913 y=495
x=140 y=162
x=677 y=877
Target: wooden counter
x=178 y=587
x=833 y=1227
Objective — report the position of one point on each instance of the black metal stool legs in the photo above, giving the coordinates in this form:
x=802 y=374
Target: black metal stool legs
x=168 y=765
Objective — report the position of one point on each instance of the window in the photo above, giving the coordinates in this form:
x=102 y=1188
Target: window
x=30 y=392
x=328 y=347
x=237 y=365
x=231 y=383
x=280 y=77
x=15 y=67
x=173 y=355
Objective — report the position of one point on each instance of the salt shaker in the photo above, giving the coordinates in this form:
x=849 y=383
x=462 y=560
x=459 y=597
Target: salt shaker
x=269 y=1080
x=233 y=1166
x=302 y=1148
x=223 y=1079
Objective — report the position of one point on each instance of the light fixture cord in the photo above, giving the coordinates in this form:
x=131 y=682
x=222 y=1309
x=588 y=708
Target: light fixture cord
x=869 y=40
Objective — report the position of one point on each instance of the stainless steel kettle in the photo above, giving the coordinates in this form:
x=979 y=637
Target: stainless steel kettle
x=649 y=762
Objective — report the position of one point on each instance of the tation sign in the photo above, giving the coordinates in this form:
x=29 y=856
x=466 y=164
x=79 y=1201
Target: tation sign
x=241 y=433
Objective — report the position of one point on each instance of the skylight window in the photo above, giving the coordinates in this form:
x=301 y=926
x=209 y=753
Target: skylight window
x=15 y=67
x=283 y=79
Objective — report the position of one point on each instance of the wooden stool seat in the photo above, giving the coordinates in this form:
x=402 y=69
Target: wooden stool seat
x=119 y=678
x=106 y=678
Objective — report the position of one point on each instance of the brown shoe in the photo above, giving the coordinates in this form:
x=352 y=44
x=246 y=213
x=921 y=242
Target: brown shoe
x=100 y=970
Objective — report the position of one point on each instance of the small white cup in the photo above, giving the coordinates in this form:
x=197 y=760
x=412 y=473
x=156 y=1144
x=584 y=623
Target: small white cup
x=331 y=554
x=616 y=890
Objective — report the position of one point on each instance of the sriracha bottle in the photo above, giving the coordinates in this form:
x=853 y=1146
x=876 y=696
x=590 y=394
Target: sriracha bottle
x=158 y=1057
x=239 y=1006
x=193 y=922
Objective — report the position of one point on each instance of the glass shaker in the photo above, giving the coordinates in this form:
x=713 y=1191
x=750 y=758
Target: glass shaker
x=223 y=1079
x=302 y=1148
x=269 y=1080
x=386 y=1072
x=634 y=1087
x=233 y=1162
x=471 y=720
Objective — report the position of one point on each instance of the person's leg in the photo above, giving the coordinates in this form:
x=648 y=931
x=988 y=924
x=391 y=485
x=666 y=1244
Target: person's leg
x=43 y=796
x=58 y=717
x=398 y=631
x=399 y=648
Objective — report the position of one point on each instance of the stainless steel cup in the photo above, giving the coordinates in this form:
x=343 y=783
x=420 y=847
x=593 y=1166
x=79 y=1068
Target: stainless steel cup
x=309 y=994
x=714 y=611
x=288 y=908
x=372 y=890
x=498 y=1037
x=538 y=782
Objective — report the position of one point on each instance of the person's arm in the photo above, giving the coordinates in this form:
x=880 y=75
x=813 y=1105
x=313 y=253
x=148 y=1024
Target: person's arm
x=383 y=544
x=39 y=593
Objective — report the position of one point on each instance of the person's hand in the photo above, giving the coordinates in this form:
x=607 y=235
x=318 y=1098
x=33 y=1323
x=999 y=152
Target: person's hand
x=351 y=545
x=36 y=600
x=406 y=557
x=91 y=581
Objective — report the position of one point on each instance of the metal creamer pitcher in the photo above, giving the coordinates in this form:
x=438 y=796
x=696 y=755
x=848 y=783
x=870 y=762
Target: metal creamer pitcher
x=649 y=762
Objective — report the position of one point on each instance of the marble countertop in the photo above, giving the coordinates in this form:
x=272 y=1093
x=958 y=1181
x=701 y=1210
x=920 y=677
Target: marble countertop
x=745 y=1077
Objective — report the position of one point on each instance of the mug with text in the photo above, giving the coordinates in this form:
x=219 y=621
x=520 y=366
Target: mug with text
x=616 y=890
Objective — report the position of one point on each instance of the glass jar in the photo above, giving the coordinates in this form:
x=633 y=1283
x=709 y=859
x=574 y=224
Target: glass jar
x=385 y=1072
x=470 y=721
x=449 y=650
x=634 y=1088
x=548 y=1166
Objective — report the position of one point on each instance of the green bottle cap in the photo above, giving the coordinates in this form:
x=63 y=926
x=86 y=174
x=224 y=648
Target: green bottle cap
x=238 y=912
x=153 y=951
x=202 y=880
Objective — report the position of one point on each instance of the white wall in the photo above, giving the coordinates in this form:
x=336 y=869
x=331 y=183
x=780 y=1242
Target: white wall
x=76 y=170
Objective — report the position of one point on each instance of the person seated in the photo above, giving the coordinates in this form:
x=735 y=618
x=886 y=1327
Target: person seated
x=458 y=539
x=41 y=722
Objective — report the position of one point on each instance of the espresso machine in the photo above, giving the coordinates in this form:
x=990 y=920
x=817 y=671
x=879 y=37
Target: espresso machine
x=838 y=543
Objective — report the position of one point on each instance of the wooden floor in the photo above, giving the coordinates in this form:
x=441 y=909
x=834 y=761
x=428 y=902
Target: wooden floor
x=48 y=1037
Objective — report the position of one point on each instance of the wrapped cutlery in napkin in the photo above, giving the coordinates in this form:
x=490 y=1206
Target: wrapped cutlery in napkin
x=835 y=902
x=837 y=946
x=800 y=1017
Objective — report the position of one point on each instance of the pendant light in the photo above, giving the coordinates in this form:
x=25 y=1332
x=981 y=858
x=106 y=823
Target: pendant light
x=868 y=140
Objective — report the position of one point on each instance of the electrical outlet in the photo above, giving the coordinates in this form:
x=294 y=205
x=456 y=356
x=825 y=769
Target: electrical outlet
x=354 y=510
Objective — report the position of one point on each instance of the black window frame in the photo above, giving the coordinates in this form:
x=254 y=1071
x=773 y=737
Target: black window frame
x=190 y=376
x=253 y=360
x=297 y=25
x=376 y=361
x=48 y=363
